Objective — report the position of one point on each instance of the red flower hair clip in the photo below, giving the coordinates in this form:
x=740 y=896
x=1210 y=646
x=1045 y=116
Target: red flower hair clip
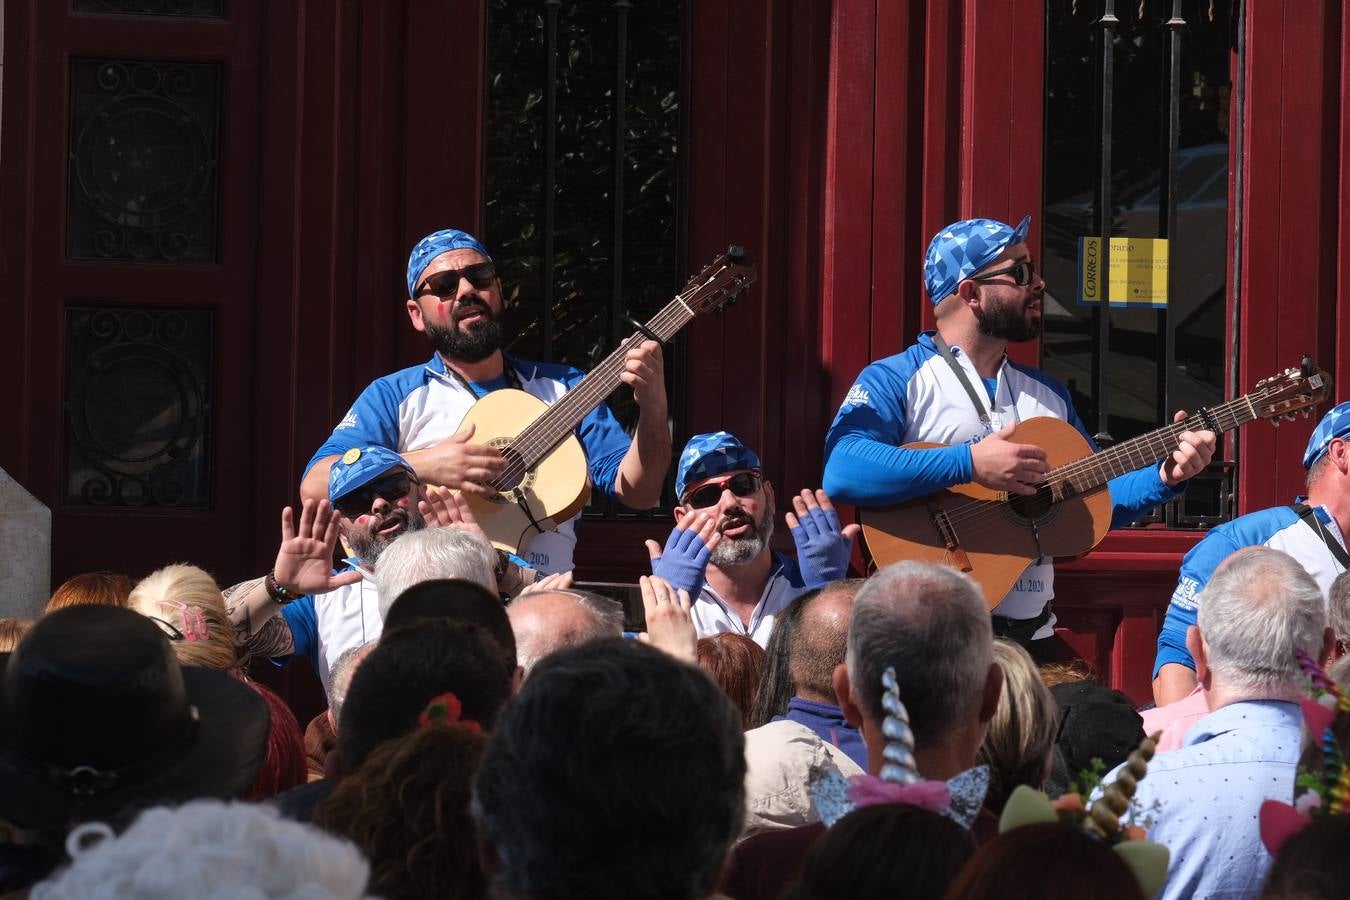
x=447 y=710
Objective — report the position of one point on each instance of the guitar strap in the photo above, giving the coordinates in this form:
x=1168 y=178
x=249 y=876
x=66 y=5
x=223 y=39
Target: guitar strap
x=1309 y=516
x=974 y=396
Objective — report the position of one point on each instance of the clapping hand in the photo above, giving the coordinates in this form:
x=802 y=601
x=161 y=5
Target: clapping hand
x=684 y=560
x=443 y=508
x=823 y=547
x=305 y=558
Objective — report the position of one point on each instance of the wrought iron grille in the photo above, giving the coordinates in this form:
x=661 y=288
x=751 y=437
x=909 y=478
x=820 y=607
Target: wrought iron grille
x=144 y=158
x=138 y=407
x=202 y=9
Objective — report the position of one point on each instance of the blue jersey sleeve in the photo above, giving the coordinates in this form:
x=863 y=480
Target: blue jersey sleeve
x=1196 y=569
x=300 y=616
x=371 y=422
x=864 y=464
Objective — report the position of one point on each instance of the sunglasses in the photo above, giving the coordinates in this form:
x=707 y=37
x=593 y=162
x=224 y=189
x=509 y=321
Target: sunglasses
x=742 y=484
x=446 y=283
x=1022 y=272
x=390 y=487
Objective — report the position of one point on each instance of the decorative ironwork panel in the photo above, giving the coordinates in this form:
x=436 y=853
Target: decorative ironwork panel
x=138 y=407
x=202 y=9
x=144 y=158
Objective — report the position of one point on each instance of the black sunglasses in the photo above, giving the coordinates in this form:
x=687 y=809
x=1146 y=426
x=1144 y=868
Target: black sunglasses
x=446 y=283
x=1022 y=272
x=742 y=484
x=390 y=487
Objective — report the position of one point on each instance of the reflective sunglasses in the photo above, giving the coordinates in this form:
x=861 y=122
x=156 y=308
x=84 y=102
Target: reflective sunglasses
x=1023 y=273
x=446 y=283
x=742 y=484
x=391 y=487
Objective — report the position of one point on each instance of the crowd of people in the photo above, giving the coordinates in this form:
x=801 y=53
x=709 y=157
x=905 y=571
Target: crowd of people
x=768 y=725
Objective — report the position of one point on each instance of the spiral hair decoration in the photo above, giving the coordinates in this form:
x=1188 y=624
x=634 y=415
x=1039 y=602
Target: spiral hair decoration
x=899 y=767
x=1103 y=819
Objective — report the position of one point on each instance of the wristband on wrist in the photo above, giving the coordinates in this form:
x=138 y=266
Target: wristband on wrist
x=276 y=591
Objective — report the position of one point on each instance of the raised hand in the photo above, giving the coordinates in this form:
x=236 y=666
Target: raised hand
x=684 y=560
x=443 y=508
x=304 y=562
x=1001 y=465
x=823 y=547
x=456 y=463
x=1194 y=451
x=670 y=622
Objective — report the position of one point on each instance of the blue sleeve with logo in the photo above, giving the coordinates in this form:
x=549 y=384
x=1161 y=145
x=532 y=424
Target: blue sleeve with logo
x=372 y=421
x=865 y=466
x=1196 y=569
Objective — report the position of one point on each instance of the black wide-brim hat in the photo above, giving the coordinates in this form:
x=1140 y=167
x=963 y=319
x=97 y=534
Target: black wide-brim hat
x=98 y=720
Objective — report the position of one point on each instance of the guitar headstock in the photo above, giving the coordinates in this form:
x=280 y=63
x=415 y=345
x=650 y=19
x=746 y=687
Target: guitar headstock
x=1290 y=392
x=720 y=282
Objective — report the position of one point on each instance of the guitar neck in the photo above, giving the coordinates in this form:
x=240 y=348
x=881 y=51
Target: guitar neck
x=1093 y=471
x=562 y=418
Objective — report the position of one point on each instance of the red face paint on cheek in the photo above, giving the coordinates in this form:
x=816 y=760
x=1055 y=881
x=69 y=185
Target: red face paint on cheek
x=361 y=520
x=403 y=501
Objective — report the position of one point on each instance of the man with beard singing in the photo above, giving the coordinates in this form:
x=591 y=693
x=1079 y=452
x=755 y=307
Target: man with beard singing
x=456 y=300
x=719 y=551
x=956 y=386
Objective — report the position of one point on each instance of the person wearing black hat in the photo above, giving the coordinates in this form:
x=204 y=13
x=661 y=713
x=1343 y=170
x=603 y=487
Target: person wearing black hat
x=98 y=721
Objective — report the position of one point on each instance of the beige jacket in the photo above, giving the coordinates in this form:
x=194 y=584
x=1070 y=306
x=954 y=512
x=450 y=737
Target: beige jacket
x=778 y=758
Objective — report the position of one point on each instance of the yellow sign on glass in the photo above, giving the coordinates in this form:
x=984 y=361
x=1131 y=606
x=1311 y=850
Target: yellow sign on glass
x=1138 y=271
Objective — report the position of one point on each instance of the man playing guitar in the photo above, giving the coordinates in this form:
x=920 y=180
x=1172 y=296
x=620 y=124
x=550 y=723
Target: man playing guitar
x=956 y=386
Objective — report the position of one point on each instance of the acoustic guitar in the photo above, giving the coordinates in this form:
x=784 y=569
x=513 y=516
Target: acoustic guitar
x=546 y=480
x=994 y=535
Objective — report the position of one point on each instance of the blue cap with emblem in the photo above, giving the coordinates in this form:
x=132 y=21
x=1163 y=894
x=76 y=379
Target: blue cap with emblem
x=432 y=246
x=359 y=466
x=1335 y=424
x=709 y=455
x=964 y=248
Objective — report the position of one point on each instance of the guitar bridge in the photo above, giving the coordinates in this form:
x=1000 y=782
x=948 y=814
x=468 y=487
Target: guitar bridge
x=942 y=523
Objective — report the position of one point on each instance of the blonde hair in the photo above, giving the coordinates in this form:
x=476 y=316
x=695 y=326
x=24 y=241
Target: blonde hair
x=1022 y=733
x=187 y=600
x=11 y=632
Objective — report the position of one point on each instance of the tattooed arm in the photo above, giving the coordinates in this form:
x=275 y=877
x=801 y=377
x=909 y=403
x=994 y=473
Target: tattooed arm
x=258 y=623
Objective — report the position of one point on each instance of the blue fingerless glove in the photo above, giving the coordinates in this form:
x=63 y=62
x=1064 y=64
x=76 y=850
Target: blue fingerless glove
x=822 y=550
x=683 y=562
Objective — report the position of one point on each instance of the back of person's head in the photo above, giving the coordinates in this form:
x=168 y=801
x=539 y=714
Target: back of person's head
x=548 y=621
x=407 y=809
x=407 y=669
x=1095 y=724
x=931 y=625
x=1258 y=609
x=1045 y=860
x=11 y=632
x=776 y=688
x=736 y=663
x=820 y=640
x=284 y=766
x=186 y=604
x=1338 y=610
x=430 y=554
x=91 y=588
x=457 y=599
x=882 y=852
x=1312 y=863
x=1019 y=746
x=1069 y=671
x=209 y=850
x=340 y=678
x=617 y=772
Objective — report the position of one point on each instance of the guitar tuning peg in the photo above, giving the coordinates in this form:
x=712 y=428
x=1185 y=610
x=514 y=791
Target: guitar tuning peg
x=1307 y=413
x=1275 y=421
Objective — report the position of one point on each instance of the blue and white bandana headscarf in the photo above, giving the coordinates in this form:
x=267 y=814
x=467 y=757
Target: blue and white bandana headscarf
x=964 y=248
x=1335 y=424
x=709 y=455
x=432 y=246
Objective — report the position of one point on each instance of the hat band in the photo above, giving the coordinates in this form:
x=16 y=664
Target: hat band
x=89 y=781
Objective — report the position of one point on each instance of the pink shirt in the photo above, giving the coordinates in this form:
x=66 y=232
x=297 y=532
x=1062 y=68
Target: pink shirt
x=1175 y=719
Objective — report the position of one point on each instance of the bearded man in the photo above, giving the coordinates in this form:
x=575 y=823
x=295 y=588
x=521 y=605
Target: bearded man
x=956 y=386
x=455 y=298
x=720 y=552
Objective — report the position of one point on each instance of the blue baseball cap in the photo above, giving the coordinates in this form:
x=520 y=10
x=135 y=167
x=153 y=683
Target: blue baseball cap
x=433 y=245
x=1335 y=424
x=359 y=466
x=964 y=248
x=709 y=455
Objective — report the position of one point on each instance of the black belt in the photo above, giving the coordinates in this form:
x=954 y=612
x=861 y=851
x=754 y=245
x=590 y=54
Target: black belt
x=1023 y=631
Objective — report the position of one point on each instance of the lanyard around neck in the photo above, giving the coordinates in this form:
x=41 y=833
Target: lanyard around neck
x=512 y=381
x=974 y=396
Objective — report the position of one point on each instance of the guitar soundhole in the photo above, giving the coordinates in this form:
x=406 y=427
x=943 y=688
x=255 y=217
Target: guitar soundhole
x=515 y=476
x=1033 y=507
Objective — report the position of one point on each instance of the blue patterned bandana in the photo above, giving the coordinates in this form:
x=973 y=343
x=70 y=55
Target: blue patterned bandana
x=964 y=248
x=359 y=466
x=709 y=455
x=1335 y=424
x=433 y=245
